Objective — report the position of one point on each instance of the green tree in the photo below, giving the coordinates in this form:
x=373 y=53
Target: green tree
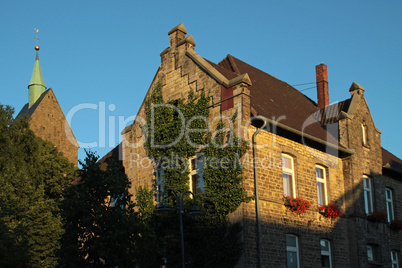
x=32 y=175
x=99 y=219
x=213 y=241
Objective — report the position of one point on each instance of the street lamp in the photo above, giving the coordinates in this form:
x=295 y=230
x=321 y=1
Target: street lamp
x=195 y=212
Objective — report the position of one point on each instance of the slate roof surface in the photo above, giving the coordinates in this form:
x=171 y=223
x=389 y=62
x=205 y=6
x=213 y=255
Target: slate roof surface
x=331 y=113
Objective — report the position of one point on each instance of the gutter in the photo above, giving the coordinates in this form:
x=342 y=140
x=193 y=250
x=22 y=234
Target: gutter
x=308 y=136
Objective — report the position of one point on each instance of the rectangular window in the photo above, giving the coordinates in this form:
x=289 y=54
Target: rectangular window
x=368 y=200
x=394 y=259
x=373 y=253
x=326 y=261
x=292 y=251
x=390 y=204
x=159 y=177
x=364 y=134
x=288 y=175
x=196 y=174
x=321 y=185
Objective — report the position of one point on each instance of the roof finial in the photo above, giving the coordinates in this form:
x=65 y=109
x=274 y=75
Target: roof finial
x=36 y=37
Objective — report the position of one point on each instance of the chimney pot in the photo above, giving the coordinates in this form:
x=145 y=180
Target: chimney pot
x=321 y=75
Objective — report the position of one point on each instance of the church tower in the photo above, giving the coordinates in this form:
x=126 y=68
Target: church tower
x=47 y=119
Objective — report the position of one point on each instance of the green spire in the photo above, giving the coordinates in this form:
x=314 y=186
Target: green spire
x=37 y=84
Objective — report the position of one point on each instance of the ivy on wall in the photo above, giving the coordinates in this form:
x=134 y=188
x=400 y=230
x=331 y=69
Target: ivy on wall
x=175 y=130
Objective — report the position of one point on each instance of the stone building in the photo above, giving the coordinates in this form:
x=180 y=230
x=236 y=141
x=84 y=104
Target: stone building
x=320 y=152
x=47 y=119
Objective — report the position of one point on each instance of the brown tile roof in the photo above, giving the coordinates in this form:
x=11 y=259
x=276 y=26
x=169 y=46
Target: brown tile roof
x=279 y=101
x=391 y=161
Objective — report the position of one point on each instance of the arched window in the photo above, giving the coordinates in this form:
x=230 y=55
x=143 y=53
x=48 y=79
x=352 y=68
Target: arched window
x=326 y=259
x=197 y=183
x=159 y=180
x=288 y=175
x=292 y=251
x=368 y=197
x=389 y=200
x=364 y=133
x=321 y=178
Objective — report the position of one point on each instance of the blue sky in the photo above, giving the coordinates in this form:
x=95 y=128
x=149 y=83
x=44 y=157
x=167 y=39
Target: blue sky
x=104 y=54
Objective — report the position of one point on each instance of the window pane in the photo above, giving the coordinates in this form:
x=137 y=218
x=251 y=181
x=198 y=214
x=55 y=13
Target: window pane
x=286 y=162
x=320 y=192
x=194 y=182
x=292 y=259
x=324 y=245
x=370 y=256
x=325 y=261
x=291 y=241
x=388 y=194
x=367 y=201
x=287 y=184
x=319 y=173
x=394 y=259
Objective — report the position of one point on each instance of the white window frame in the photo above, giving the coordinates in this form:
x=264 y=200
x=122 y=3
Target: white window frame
x=291 y=173
x=389 y=201
x=159 y=180
x=368 y=193
x=323 y=182
x=196 y=170
x=293 y=249
x=394 y=259
x=327 y=252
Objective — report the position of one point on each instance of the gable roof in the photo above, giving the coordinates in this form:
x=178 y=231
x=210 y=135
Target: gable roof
x=279 y=101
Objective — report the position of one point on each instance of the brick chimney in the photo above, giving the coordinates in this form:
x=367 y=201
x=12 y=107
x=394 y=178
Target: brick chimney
x=321 y=76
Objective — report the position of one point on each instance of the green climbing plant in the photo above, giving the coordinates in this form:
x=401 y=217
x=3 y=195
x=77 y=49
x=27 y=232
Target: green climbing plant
x=176 y=130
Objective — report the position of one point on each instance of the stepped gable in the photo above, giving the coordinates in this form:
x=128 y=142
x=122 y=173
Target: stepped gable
x=279 y=101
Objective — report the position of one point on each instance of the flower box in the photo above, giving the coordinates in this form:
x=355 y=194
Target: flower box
x=296 y=204
x=377 y=216
x=330 y=211
x=395 y=225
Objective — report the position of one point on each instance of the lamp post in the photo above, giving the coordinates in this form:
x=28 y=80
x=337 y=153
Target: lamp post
x=195 y=212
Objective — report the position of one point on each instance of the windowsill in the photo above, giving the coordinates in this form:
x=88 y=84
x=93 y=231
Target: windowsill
x=366 y=146
x=375 y=263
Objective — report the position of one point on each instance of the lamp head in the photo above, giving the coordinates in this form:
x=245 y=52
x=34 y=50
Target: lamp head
x=163 y=208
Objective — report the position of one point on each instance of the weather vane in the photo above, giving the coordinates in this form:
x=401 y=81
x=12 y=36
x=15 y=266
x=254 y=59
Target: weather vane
x=36 y=37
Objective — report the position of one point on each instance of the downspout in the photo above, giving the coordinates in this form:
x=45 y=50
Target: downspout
x=257 y=203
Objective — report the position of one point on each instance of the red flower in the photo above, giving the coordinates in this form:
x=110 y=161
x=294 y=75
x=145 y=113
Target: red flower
x=296 y=204
x=330 y=211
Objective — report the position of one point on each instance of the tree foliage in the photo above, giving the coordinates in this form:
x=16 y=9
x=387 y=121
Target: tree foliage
x=99 y=220
x=176 y=130
x=32 y=176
